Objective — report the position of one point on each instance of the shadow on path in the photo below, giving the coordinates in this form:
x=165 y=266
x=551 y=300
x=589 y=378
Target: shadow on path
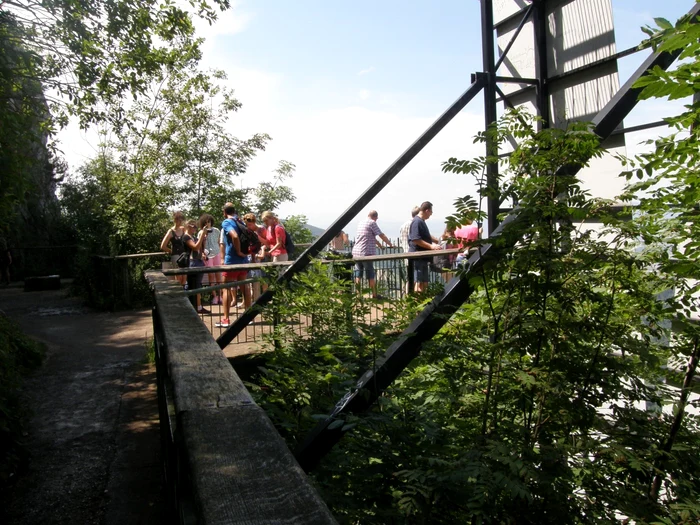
x=93 y=437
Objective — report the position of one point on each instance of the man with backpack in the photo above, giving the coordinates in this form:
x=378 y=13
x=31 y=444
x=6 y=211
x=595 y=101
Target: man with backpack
x=236 y=244
x=281 y=244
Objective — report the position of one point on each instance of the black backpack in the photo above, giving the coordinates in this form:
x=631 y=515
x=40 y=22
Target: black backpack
x=289 y=244
x=248 y=239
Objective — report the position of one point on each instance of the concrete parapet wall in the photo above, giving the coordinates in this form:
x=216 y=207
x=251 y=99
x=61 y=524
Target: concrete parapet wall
x=225 y=462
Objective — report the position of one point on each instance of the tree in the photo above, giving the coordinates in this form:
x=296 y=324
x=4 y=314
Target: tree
x=81 y=58
x=175 y=152
x=540 y=402
x=110 y=212
x=94 y=54
x=296 y=226
x=269 y=195
x=667 y=194
x=176 y=137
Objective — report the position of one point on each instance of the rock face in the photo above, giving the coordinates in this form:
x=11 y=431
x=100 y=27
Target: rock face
x=29 y=211
x=38 y=214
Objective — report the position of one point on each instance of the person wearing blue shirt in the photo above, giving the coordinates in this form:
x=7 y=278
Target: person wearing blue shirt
x=233 y=255
x=420 y=240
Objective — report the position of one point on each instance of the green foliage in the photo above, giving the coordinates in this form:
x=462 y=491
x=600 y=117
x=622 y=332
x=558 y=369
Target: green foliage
x=150 y=346
x=666 y=192
x=94 y=54
x=18 y=356
x=110 y=212
x=83 y=59
x=177 y=139
x=539 y=402
x=25 y=161
x=269 y=195
x=296 y=226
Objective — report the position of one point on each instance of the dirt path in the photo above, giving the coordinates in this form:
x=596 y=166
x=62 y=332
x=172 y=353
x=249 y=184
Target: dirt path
x=93 y=438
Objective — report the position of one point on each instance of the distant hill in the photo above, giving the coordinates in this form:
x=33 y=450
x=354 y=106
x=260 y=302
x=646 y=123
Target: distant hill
x=315 y=231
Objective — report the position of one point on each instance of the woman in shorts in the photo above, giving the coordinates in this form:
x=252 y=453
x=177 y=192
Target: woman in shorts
x=174 y=237
x=211 y=254
x=257 y=252
x=194 y=246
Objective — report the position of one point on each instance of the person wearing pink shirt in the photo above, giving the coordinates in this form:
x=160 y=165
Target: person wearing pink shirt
x=467 y=235
x=276 y=237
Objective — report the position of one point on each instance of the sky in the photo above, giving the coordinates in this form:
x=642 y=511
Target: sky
x=344 y=88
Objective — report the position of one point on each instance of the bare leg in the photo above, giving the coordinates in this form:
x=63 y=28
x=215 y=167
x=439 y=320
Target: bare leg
x=421 y=287
x=246 y=295
x=373 y=287
x=227 y=303
x=217 y=280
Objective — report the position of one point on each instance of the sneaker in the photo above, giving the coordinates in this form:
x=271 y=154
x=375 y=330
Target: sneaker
x=240 y=305
x=216 y=300
x=202 y=310
x=224 y=323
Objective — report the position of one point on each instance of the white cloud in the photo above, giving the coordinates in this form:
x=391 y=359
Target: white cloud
x=364 y=94
x=340 y=152
x=366 y=71
x=230 y=22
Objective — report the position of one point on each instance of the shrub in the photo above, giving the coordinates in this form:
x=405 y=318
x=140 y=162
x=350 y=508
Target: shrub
x=18 y=356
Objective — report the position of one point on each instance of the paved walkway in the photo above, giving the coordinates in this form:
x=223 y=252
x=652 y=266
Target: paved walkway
x=93 y=439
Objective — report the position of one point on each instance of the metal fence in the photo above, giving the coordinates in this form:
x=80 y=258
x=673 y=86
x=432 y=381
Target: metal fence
x=34 y=261
x=116 y=282
x=394 y=278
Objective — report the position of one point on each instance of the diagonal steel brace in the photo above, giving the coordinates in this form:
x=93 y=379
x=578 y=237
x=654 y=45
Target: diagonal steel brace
x=436 y=314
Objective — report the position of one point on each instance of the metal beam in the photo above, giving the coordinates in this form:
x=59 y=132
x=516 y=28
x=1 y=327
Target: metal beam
x=540 y=27
x=640 y=127
x=356 y=207
x=513 y=38
x=517 y=80
x=510 y=18
x=593 y=65
x=434 y=316
x=490 y=112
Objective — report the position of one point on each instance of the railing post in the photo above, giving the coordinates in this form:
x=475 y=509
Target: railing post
x=113 y=283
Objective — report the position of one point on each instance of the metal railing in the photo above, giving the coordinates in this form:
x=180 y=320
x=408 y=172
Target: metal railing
x=394 y=278
x=35 y=261
x=115 y=282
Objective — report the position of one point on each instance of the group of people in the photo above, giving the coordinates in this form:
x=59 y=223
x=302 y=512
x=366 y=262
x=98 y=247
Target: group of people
x=239 y=240
x=414 y=236
x=199 y=243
